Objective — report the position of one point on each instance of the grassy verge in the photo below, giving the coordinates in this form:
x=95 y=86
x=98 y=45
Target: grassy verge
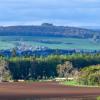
x=75 y=83
x=98 y=98
x=71 y=83
x=31 y=81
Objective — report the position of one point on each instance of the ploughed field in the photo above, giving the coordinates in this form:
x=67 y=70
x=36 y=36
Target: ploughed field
x=46 y=91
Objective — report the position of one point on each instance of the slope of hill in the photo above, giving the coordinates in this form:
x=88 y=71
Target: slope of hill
x=47 y=30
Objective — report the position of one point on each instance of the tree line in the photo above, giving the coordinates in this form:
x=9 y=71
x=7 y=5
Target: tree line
x=32 y=68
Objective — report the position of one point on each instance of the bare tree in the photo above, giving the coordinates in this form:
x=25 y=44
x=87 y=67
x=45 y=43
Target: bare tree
x=65 y=69
x=4 y=73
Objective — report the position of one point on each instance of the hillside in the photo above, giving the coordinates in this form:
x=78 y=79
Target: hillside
x=47 y=30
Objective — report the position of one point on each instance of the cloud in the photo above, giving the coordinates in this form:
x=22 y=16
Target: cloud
x=56 y=11
x=22 y=4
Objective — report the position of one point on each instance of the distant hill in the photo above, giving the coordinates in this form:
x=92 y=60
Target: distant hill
x=92 y=27
x=47 y=29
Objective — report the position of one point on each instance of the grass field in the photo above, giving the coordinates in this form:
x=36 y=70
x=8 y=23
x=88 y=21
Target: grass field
x=63 y=43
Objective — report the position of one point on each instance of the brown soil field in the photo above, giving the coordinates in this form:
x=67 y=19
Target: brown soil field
x=46 y=91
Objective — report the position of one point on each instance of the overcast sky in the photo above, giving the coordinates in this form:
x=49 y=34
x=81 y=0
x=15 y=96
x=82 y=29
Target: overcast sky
x=59 y=12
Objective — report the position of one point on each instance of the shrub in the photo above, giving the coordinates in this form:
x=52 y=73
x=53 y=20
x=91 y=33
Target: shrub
x=90 y=75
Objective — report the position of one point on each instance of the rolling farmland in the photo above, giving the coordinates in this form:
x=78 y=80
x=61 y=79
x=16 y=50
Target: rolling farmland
x=7 y=42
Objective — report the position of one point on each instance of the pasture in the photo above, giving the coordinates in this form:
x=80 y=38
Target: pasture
x=7 y=42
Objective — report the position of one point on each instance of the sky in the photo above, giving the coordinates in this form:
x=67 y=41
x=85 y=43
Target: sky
x=59 y=12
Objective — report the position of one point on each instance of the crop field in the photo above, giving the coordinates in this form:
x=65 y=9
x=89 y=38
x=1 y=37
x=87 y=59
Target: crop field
x=7 y=42
x=46 y=91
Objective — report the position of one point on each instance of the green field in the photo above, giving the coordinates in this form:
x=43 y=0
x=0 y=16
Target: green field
x=58 y=43
x=71 y=83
